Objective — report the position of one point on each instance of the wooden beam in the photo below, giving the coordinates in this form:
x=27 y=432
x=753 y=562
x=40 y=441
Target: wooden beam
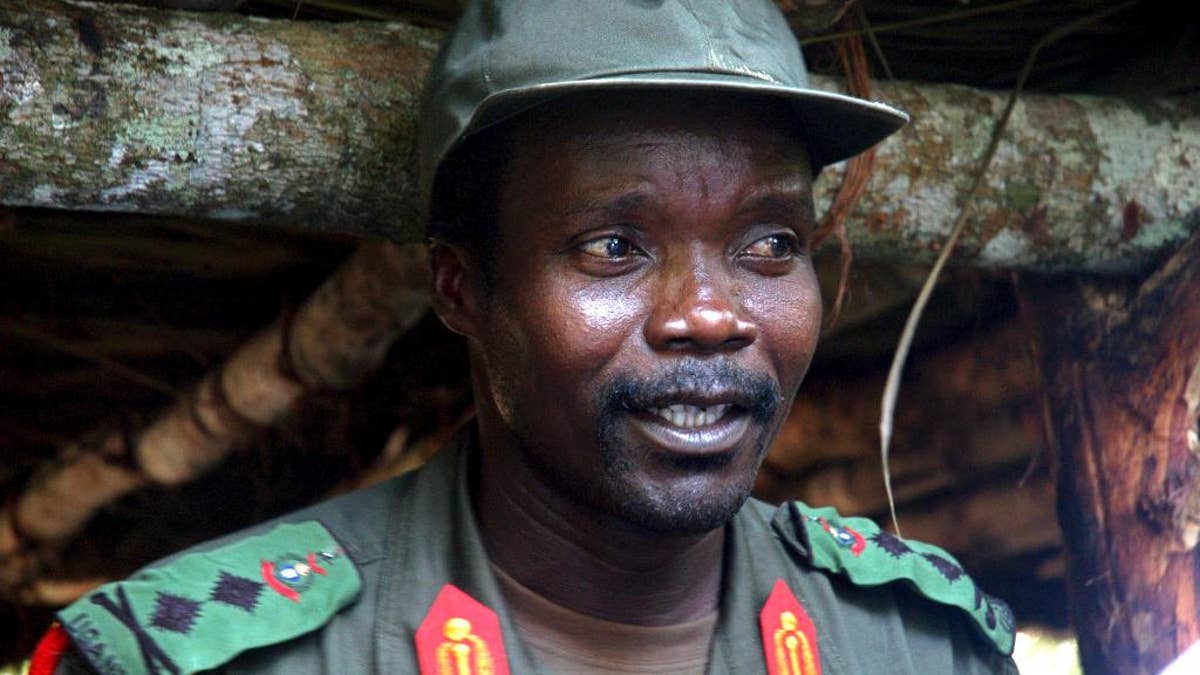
x=993 y=521
x=336 y=338
x=966 y=461
x=227 y=117
x=1123 y=375
x=981 y=382
x=212 y=115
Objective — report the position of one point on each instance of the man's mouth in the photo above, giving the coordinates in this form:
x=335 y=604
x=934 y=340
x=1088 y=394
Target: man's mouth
x=687 y=416
x=694 y=410
x=695 y=429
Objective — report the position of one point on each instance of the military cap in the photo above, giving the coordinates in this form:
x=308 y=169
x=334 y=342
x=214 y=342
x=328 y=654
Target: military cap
x=507 y=56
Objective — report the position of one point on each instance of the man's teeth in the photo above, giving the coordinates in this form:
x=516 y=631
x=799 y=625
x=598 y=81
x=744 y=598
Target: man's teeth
x=690 y=416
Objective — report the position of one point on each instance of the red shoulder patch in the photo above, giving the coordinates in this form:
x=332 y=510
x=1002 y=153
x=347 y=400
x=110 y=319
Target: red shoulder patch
x=460 y=636
x=788 y=634
x=49 y=651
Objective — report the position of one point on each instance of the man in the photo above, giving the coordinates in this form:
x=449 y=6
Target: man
x=620 y=206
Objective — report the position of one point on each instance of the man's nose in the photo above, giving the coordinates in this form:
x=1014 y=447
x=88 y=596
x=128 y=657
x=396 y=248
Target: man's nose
x=698 y=310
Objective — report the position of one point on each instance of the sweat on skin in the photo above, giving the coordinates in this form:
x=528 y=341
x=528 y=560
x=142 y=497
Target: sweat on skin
x=651 y=271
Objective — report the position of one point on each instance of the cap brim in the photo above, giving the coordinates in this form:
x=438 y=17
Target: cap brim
x=835 y=126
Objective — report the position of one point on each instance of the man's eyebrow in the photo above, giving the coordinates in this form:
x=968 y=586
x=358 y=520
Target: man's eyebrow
x=781 y=203
x=610 y=204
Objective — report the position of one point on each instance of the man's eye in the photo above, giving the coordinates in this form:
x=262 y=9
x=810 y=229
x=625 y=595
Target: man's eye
x=775 y=246
x=608 y=247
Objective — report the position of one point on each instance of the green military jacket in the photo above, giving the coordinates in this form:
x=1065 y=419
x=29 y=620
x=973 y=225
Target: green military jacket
x=410 y=536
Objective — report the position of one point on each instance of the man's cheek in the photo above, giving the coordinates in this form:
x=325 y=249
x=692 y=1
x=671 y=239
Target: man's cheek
x=586 y=330
x=788 y=314
x=605 y=312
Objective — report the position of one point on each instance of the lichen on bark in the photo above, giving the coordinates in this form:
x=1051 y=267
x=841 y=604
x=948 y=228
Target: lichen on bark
x=209 y=115
x=313 y=124
x=1067 y=175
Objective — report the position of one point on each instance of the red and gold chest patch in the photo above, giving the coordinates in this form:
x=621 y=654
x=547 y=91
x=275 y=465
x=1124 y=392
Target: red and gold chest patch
x=460 y=636
x=788 y=634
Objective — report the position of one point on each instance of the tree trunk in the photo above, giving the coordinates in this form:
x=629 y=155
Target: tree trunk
x=1123 y=380
x=221 y=116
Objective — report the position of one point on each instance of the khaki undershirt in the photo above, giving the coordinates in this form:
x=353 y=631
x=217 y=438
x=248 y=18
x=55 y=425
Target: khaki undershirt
x=566 y=642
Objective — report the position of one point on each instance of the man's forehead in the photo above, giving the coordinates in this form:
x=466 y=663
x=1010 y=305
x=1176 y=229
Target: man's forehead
x=642 y=116
x=611 y=144
x=786 y=191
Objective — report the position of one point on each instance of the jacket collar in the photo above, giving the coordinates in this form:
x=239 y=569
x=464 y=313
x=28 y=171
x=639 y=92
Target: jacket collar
x=433 y=539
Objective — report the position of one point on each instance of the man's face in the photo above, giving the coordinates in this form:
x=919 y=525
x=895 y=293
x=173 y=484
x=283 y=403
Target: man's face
x=654 y=307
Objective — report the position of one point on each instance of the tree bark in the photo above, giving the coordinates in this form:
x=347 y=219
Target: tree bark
x=221 y=116
x=211 y=115
x=1123 y=379
x=340 y=335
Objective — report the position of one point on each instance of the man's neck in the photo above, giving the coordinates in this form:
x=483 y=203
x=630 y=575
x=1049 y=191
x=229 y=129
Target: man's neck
x=589 y=561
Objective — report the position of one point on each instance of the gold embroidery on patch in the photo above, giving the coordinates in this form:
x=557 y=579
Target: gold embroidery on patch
x=793 y=652
x=464 y=653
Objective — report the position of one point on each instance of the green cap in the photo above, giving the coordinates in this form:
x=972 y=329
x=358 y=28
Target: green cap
x=507 y=56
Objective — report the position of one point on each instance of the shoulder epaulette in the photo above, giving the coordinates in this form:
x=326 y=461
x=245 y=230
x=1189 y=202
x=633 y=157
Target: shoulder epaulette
x=200 y=610
x=869 y=556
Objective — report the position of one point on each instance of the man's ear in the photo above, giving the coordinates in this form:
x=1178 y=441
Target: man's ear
x=456 y=287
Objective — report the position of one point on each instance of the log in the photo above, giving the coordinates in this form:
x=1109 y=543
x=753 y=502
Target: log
x=993 y=450
x=1122 y=364
x=970 y=417
x=249 y=120
x=1078 y=183
x=983 y=381
x=336 y=338
x=993 y=522
x=211 y=115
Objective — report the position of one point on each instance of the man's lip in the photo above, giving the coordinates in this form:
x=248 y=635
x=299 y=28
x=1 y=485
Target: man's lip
x=699 y=399
x=722 y=437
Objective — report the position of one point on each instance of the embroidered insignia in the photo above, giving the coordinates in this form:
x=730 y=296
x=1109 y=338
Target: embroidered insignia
x=827 y=541
x=174 y=613
x=946 y=568
x=200 y=610
x=844 y=536
x=460 y=636
x=292 y=574
x=889 y=542
x=788 y=634
x=236 y=591
x=995 y=610
x=152 y=656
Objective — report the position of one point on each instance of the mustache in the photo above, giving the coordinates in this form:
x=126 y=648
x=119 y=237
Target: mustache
x=697 y=381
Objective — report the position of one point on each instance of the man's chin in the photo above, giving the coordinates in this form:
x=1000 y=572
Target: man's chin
x=679 y=494
x=681 y=510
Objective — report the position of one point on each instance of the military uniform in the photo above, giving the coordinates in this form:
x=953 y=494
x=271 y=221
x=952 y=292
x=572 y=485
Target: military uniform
x=410 y=537
x=395 y=578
